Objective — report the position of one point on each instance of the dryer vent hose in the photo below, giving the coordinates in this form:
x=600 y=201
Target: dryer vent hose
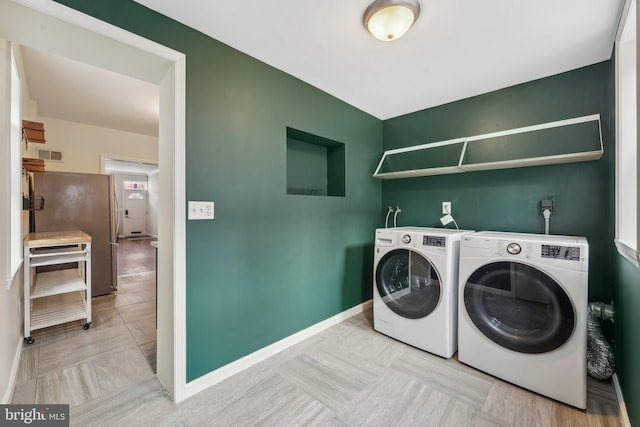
x=600 y=360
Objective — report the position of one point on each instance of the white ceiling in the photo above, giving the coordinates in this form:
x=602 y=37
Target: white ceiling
x=456 y=49
x=69 y=90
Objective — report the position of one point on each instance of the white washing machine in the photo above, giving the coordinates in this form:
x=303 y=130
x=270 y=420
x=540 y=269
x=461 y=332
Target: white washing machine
x=523 y=311
x=415 y=286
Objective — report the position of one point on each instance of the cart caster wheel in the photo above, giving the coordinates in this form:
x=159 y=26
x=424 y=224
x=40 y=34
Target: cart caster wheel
x=86 y=326
x=29 y=340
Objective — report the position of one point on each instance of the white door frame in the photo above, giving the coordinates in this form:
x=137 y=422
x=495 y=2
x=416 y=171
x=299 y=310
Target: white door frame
x=64 y=31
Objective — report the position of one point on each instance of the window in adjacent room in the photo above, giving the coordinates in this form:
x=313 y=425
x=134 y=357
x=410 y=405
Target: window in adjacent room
x=626 y=136
x=134 y=185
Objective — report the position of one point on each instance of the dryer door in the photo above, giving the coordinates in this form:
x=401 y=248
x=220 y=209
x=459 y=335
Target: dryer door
x=519 y=307
x=408 y=283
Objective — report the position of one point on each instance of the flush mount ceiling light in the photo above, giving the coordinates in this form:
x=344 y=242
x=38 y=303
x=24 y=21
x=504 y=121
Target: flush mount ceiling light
x=388 y=20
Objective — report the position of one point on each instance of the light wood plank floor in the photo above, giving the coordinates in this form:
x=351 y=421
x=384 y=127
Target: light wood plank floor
x=348 y=375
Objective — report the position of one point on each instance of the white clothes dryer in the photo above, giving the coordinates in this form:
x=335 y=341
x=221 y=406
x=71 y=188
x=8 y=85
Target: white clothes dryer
x=523 y=311
x=415 y=286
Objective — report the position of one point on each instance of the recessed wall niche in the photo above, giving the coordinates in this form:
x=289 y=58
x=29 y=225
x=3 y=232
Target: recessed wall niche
x=315 y=165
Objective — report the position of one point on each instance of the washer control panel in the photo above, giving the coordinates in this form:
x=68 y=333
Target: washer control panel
x=570 y=253
x=437 y=241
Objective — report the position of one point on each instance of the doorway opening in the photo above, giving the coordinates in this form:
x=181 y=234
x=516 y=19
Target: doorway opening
x=135 y=300
x=67 y=32
x=136 y=210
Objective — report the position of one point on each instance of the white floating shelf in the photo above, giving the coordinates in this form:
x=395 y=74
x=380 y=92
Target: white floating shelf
x=463 y=153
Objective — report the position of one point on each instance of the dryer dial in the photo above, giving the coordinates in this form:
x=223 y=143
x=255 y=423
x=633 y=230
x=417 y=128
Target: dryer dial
x=406 y=239
x=514 y=248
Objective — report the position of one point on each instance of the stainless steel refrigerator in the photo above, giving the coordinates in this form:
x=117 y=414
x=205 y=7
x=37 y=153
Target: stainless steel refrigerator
x=81 y=201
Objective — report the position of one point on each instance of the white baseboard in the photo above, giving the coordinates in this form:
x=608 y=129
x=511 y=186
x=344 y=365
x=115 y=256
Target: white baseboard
x=221 y=374
x=11 y=384
x=622 y=407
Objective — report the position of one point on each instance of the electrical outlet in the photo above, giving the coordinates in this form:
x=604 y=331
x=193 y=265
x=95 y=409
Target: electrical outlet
x=446 y=208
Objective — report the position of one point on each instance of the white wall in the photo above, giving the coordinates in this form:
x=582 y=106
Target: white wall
x=152 y=198
x=84 y=144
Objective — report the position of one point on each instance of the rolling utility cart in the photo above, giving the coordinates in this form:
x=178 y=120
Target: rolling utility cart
x=59 y=296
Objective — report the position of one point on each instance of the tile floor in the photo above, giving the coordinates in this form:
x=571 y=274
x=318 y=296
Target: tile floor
x=67 y=364
x=348 y=375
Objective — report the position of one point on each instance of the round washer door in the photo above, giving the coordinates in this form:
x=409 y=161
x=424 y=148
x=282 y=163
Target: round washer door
x=408 y=283
x=519 y=307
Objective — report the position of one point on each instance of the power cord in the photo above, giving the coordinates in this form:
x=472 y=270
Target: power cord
x=395 y=216
x=448 y=219
x=386 y=220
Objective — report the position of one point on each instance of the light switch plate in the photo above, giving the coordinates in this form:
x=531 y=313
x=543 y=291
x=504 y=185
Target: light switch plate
x=201 y=210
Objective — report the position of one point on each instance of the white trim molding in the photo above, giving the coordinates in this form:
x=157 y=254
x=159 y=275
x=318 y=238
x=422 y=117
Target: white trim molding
x=179 y=227
x=237 y=366
x=105 y=157
x=628 y=252
x=627 y=200
x=11 y=385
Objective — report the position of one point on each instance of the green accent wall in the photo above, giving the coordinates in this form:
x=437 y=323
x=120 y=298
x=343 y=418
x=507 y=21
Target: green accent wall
x=270 y=264
x=509 y=199
x=627 y=332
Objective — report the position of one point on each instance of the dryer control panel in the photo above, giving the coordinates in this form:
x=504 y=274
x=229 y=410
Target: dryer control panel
x=570 y=253
x=437 y=241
